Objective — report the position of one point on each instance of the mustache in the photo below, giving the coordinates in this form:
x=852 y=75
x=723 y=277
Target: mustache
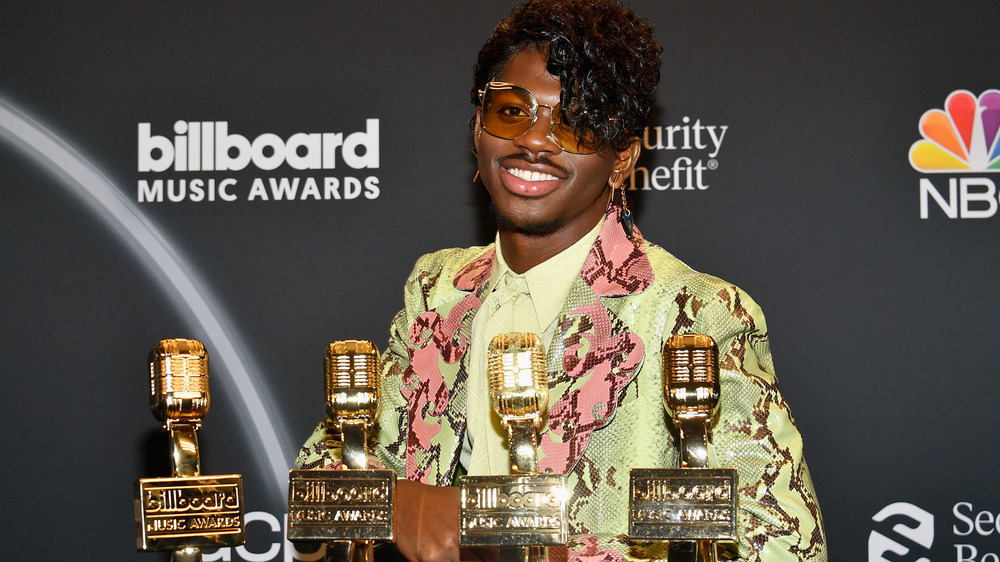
x=534 y=159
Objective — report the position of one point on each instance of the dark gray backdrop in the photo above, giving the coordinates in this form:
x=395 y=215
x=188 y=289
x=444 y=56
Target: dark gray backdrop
x=882 y=323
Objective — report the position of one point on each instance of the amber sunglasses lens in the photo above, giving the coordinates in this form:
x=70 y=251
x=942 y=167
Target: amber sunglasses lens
x=509 y=111
x=567 y=137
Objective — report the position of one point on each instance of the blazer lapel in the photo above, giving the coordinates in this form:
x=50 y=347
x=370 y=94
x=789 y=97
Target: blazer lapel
x=434 y=383
x=594 y=355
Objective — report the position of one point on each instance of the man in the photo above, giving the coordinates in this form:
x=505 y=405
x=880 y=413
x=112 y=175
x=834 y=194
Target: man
x=562 y=90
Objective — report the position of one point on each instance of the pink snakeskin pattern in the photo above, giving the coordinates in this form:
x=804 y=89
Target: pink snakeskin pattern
x=431 y=338
x=612 y=355
x=617 y=266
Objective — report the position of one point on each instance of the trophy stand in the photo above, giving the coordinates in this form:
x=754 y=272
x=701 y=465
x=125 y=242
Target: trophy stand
x=526 y=511
x=693 y=506
x=187 y=512
x=348 y=509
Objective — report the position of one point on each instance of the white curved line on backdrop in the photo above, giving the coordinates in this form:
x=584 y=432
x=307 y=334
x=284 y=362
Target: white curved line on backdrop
x=183 y=286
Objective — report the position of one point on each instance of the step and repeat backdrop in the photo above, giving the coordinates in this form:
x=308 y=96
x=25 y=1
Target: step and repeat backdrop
x=262 y=176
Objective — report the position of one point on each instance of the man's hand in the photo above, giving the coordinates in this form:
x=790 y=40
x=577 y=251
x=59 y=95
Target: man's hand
x=426 y=521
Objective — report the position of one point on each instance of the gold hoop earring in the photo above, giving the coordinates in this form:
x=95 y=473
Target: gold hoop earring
x=625 y=215
x=616 y=177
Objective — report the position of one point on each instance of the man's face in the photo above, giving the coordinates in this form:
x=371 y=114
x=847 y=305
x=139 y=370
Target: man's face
x=535 y=186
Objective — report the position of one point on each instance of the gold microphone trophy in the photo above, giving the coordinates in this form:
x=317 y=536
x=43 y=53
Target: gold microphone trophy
x=188 y=511
x=693 y=506
x=526 y=511
x=348 y=509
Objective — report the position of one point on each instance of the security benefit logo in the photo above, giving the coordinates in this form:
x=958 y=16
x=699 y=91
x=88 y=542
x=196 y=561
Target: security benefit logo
x=204 y=161
x=905 y=532
x=960 y=146
x=678 y=157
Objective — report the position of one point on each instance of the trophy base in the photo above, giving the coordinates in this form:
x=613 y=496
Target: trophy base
x=513 y=511
x=682 y=504
x=328 y=505
x=189 y=512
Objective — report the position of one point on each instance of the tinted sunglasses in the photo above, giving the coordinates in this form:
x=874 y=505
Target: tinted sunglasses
x=509 y=111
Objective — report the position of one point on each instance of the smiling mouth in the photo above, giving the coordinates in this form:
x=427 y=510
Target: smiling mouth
x=528 y=175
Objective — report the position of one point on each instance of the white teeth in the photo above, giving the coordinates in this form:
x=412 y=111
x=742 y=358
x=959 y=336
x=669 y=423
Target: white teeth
x=531 y=176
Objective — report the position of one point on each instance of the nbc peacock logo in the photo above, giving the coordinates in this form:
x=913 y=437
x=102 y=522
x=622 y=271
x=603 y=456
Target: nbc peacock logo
x=962 y=138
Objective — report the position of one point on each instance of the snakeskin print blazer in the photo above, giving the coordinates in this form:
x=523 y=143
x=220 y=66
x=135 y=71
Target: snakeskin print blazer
x=606 y=410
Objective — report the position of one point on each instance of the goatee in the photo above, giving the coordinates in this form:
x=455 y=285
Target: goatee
x=504 y=222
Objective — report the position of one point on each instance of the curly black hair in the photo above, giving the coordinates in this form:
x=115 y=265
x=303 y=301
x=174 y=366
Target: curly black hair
x=605 y=58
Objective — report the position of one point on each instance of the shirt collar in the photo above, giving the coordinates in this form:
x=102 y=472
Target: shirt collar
x=616 y=265
x=550 y=281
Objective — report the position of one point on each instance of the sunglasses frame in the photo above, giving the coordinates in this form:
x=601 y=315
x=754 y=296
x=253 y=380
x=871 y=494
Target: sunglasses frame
x=554 y=118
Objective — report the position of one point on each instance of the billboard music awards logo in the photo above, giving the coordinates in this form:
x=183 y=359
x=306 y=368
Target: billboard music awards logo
x=905 y=532
x=187 y=163
x=962 y=140
x=699 y=145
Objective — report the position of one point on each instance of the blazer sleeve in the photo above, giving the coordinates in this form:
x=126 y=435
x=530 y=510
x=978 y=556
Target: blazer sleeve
x=779 y=516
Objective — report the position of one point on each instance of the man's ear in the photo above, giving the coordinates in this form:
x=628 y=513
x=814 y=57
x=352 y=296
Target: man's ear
x=477 y=128
x=627 y=158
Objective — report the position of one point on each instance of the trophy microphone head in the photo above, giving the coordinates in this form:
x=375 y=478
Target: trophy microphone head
x=691 y=376
x=517 y=377
x=178 y=376
x=353 y=382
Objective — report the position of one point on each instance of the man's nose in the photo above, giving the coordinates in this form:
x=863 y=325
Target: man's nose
x=538 y=137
